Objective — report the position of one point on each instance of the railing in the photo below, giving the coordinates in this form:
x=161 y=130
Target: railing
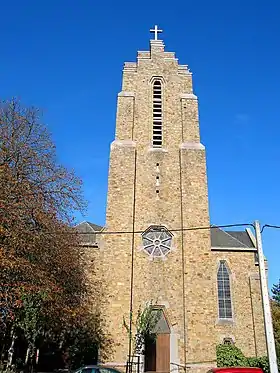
x=133 y=365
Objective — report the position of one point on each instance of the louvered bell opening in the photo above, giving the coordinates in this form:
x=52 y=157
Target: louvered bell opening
x=157 y=114
x=157 y=90
x=157 y=144
x=157 y=135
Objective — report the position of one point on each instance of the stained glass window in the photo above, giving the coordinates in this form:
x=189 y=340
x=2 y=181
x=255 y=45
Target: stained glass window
x=224 y=292
x=157 y=241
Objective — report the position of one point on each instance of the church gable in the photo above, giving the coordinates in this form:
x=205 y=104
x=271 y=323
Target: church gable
x=239 y=240
x=88 y=234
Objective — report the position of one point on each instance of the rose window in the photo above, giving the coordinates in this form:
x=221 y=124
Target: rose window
x=157 y=241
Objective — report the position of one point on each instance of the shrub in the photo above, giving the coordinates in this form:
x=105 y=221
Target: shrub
x=232 y=356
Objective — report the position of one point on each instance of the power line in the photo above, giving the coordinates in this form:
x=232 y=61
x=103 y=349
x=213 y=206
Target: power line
x=170 y=230
x=74 y=232
x=270 y=226
x=103 y=232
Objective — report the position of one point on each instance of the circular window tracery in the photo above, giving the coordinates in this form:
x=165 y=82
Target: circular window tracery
x=157 y=241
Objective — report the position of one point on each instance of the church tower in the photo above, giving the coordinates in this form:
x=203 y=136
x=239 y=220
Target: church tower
x=157 y=185
x=157 y=189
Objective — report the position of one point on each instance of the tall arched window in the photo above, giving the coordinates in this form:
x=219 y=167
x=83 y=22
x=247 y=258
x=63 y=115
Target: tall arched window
x=157 y=114
x=224 y=292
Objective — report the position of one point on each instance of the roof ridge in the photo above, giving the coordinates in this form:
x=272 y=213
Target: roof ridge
x=88 y=223
x=234 y=238
x=81 y=222
x=95 y=225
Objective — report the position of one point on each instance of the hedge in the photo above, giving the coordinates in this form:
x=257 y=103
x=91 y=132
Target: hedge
x=232 y=356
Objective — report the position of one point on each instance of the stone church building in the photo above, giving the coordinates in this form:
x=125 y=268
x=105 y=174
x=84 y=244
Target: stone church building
x=204 y=281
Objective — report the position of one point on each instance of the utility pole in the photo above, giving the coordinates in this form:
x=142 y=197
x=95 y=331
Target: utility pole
x=270 y=343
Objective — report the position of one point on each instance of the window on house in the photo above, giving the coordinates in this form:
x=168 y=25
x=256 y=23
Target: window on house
x=228 y=341
x=256 y=257
x=157 y=114
x=224 y=292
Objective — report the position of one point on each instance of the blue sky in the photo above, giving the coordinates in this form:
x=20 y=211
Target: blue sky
x=66 y=57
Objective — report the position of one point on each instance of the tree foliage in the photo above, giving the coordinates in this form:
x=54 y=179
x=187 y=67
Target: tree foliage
x=232 y=356
x=276 y=293
x=30 y=318
x=86 y=341
x=275 y=310
x=37 y=197
x=42 y=280
x=144 y=326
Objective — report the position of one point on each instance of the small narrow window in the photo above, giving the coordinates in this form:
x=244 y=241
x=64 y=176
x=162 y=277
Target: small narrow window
x=224 y=292
x=157 y=114
x=256 y=256
x=228 y=341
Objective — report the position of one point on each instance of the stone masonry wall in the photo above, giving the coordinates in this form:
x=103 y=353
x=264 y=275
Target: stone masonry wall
x=247 y=328
x=184 y=283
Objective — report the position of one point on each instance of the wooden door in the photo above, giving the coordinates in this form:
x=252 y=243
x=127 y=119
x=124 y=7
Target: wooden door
x=150 y=355
x=163 y=353
x=157 y=352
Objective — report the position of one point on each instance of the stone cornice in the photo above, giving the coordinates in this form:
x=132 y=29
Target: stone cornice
x=188 y=96
x=126 y=94
x=124 y=143
x=192 y=146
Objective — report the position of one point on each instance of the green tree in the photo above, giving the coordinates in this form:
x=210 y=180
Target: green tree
x=275 y=309
x=30 y=319
x=232 y=356
x=86 y=342
x=144 y=326
x=276 y=293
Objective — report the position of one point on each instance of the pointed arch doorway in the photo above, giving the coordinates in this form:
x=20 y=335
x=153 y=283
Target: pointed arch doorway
x=157 y=352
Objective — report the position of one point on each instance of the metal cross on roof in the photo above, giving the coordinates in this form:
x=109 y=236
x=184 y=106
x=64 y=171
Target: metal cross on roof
x=156 y=31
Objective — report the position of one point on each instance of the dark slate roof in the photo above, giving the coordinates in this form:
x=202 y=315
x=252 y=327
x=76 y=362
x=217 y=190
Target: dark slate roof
x=162 y=326
x=90 y=228
x=236 y=239
x=95 y=227
x=219 y=238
